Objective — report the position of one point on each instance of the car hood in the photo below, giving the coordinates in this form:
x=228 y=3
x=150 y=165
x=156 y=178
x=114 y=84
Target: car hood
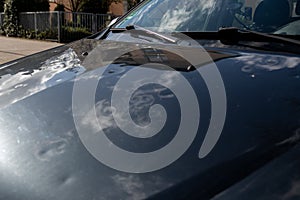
x=43 y=155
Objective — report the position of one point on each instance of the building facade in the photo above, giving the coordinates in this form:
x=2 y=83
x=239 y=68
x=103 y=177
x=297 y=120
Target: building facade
x=115 y=8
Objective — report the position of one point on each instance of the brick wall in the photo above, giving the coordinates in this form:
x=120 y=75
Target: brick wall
x=116 y=9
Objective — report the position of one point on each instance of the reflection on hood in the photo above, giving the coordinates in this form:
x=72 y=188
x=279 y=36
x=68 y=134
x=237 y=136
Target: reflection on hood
x=14 y=87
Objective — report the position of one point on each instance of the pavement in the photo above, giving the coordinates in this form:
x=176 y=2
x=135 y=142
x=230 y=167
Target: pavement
x=13 y=48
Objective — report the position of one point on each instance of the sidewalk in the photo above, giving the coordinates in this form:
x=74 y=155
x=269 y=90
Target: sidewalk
x=13 y=48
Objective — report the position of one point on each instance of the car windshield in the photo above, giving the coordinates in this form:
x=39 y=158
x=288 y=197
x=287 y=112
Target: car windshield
x=267 y=16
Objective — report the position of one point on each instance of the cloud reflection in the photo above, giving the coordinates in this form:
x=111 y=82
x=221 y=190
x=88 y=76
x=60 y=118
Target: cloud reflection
x=269 y=63
x=18 y=86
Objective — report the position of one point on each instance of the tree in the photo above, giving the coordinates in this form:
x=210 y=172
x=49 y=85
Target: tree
x=132 y=3
x=42 y=5
x=32 y=6
x=28 y=6
x=10 y=24
x=76 y=5
x=107 y=3
x=91 y=6
x=59 y=7
x=1 y=5
x=95 y=6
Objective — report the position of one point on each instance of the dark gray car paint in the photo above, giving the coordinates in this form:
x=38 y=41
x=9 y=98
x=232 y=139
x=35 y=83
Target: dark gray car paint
x=42 y=157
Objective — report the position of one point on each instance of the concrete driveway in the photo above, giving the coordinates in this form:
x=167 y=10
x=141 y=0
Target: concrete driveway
x=13 y=48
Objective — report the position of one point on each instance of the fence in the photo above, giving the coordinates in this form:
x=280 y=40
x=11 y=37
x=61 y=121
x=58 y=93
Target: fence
x=1 y=18
x=61 y=26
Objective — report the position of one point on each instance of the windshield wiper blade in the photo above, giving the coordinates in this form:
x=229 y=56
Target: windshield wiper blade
x=145 y=31
x=247 y=38
x=233 y=35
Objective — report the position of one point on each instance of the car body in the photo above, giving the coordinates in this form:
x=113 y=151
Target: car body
x=232 y=96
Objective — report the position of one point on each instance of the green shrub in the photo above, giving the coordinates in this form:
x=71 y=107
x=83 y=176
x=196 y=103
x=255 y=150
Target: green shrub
x=10 y=23
x=40 y=35
x=47 y=34
x=2 y=32
x=70 y=34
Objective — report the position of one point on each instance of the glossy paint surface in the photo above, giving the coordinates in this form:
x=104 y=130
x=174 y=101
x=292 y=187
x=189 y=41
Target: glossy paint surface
x=42 y=157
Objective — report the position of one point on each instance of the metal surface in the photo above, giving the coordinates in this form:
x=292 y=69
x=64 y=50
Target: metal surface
x=42 y=157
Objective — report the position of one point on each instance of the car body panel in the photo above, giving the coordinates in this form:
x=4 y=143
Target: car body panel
x=42 y=156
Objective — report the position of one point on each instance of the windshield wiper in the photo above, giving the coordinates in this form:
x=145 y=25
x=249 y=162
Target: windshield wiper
x=146 y=32
x=233 y=35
